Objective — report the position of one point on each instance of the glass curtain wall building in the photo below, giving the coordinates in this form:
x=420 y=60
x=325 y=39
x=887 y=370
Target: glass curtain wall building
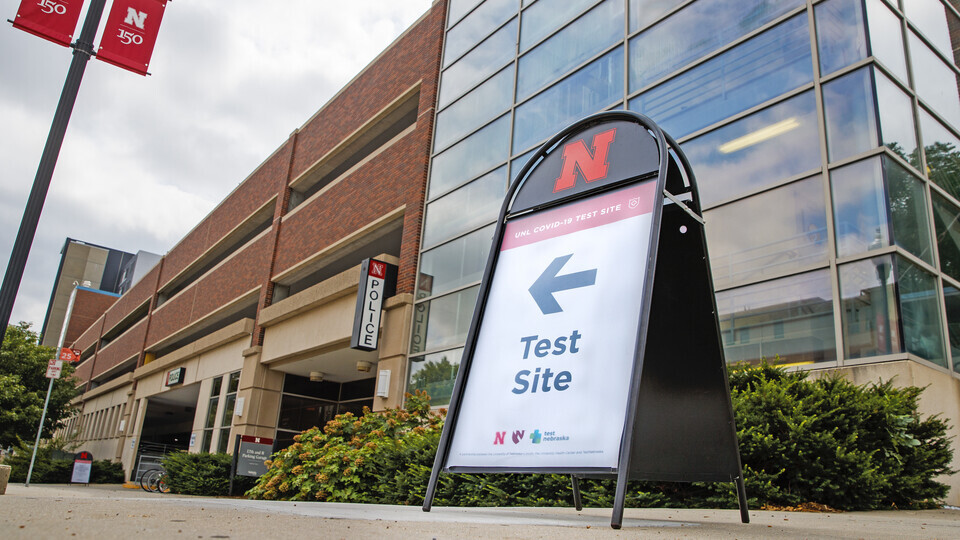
x=824 y=135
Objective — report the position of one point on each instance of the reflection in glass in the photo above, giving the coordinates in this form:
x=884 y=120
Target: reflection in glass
x=908 y=211
x=302 y=413
x=946 y=219
x=454 y=264
x=897 y=130
x=941 y=149
x=644 y=12
x=470 y=111
x=670 y=44
x=587 y=36
x=886 y=38
x=458 y=8
x=446 y=218
x=545 y=17
x=470 y=157
x=587 y=91
x=787 y=321
x=477 y=25
x=920 y=312
x=936 y=84
x=776 y=143
x=931 y=17
x=793 y=234
x=485 y=59
x=435 y=374
x=517 y=164
x=841 y=35
x=768 y=65
x=860 y=208
x=447 y=319
x=952 y=299
x=850 y=115
x=869 y=317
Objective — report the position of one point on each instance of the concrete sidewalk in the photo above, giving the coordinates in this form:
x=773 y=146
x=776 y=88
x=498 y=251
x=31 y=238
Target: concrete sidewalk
x=107 y=512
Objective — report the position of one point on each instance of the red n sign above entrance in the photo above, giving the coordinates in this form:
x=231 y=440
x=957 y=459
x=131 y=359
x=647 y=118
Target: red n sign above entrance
x=592 y=165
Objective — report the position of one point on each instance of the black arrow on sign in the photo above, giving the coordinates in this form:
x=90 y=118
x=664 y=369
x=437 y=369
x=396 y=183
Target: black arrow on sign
x=549 y=282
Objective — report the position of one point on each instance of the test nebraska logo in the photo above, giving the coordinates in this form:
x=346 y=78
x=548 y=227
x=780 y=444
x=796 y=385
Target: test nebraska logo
x=592 y=165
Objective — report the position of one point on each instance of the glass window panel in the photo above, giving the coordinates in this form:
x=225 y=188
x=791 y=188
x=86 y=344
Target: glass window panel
x=931 y=18
x=359 y=389
x=587 y=91
x=234 y=383
x=227 y=417
x=869 y=316
x=448 y=319
x=850 y=115
x=447 y=216
x=749 y=74
x=942 y=151
x=787 y=320
x=952 y=300
x=793 y=235
x=935 y=83
x=897 y=130
x=299 y=413
x=767 y=146
x=587 y=36
x=458 y=8
x=435 y=374
x=644 y=12
x=908 y=211
x=215 y=387
x=455 y=263
x=472 y=110
x=545 y=17
x=470 y=157
x=670 y=44
x=946 y=219
x=475 y=26
x=485 y=59
x=211 y=412
x=886 y=38
x=859 y=208
x=920 y=312
x=224 y=440
x=841 y=34
x=517 y=164
x=205 y=443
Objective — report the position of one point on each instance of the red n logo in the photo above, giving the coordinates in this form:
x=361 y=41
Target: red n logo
x=498 y=437
x=592 y=165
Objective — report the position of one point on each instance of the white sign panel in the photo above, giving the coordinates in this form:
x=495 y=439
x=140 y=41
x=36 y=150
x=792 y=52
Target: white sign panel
x=54 y=367
x=81 y=472
x=550 y=376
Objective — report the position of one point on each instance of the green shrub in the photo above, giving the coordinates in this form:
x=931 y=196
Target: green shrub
x=824 y=440
x=197 y=474
x=49 y=470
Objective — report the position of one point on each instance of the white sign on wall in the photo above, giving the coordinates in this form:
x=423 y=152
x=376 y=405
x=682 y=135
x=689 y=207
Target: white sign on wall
x=550 y=376
x=374 y=286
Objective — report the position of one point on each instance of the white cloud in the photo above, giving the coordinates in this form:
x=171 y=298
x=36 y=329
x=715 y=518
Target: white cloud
x=145 y=158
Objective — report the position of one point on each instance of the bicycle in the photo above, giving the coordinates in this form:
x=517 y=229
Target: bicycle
x=154 y=480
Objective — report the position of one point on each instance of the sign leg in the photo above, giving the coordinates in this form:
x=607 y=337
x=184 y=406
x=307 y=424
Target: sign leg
x=742 y=498
x=575 y=484
x=616 y=520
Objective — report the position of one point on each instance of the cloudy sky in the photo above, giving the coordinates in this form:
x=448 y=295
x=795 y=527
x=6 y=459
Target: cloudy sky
x=146 y=158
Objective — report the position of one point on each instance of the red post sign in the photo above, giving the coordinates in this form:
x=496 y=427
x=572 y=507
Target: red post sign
x=69 y=355
x=131 y=33
x=55 y=20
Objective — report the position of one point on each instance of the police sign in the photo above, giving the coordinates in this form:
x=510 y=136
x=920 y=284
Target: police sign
x=378 y=280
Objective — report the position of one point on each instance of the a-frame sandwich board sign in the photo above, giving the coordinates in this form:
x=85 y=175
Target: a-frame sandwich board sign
x=594 y=349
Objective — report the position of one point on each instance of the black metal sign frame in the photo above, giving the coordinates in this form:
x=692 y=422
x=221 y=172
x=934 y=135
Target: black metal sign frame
x=678 y=425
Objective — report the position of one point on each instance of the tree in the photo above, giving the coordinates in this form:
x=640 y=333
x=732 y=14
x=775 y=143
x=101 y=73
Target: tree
x=23 y=387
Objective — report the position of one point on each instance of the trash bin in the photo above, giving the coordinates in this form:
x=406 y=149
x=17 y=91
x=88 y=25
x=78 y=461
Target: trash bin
x=4 y=477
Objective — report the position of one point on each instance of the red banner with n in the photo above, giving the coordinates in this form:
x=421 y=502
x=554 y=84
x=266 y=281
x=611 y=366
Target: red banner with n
x=55 y=20
x=131 y=33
